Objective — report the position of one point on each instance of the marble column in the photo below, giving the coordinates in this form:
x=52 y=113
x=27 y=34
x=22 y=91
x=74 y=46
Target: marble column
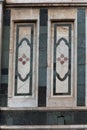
x=1 y=18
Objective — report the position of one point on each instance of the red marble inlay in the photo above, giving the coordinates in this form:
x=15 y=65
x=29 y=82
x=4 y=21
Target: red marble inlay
x=62 y=62
x=23 y=59
x=24 y=62
x=20 y=59
x=65 y=58
x=62 y=59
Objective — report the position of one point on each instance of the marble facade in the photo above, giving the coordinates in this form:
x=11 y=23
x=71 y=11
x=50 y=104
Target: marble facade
x=46 y=84
x=55 y=15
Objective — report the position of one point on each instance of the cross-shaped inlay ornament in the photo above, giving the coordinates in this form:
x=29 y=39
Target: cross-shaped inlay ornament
x=62 y=59
x=24 y=59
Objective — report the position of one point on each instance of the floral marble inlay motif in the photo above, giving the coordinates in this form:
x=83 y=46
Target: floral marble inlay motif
x=23 y=59
x=62 y=59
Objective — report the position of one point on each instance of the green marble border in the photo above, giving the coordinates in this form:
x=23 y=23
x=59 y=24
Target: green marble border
x=81 y=45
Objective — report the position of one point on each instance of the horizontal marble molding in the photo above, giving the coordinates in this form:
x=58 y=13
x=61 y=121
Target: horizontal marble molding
x=82 y=108
x=46 y=1
x=47 y=127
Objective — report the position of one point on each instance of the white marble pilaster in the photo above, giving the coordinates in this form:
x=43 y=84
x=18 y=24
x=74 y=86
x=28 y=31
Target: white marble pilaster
x=59 y=100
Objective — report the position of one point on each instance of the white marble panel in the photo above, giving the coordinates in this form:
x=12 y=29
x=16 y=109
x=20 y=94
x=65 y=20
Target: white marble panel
x=23 y=87
x=62 y=87
x=62 y=62
x=62 y=16
x=24 y=60
x=62 y=59
x=23 y=67
x=24 y=32
x=62 y=31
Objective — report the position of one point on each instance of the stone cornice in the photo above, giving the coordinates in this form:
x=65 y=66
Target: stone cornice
x=46 y=3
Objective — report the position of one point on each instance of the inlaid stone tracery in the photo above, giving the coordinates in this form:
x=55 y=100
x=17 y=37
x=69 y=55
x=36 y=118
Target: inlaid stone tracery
x=62 y=58
x=24 y=57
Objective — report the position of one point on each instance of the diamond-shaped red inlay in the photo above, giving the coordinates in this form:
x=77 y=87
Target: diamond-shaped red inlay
x=23 y=59
x=62 y=62
x=24 y=62
x=65 y=58
x=20 y=59
x=62 y=59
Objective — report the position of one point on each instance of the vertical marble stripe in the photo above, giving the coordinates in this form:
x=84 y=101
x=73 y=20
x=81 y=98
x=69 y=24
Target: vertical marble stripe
x=0 y=36
x=81 y=57
x=86 y=61
x=5 y=58
x=42 y=57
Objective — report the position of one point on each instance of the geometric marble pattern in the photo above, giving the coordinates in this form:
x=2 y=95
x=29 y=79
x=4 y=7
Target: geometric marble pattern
x=62 y=56
x=24 y=56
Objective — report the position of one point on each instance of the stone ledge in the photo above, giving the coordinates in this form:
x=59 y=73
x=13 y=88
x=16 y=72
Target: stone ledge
x=39 y=127
x=46 y=5
x=46 y=1
x=43 y=109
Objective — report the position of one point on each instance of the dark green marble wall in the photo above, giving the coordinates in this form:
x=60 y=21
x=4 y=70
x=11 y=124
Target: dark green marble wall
x=43 y=57
x=81 y=45
x=5 y=59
